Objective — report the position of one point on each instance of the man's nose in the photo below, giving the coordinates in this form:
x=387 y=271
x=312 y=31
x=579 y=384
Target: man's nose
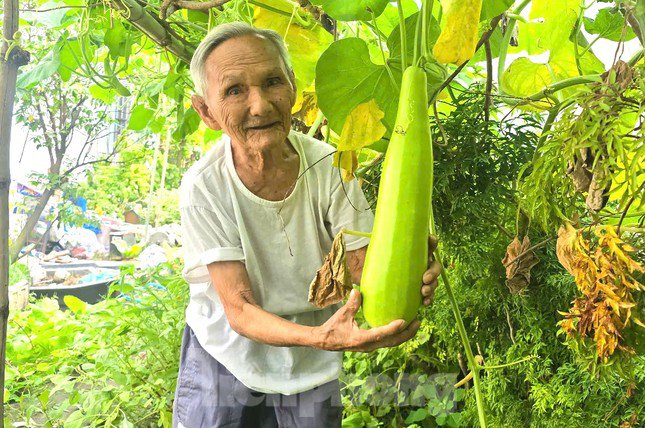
x=259 y=103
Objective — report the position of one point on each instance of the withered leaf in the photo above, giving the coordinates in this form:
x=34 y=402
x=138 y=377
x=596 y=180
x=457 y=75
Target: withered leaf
x=518 y=263
x=347 y=162
x=565 y=246
x=579 y=169
x=598 y=191
x=333 y=281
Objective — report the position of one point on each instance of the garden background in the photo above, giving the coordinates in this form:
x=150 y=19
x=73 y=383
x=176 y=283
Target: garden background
x=539 y=179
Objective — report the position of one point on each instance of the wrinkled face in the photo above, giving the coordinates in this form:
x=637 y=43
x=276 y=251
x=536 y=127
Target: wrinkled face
x=249 y=95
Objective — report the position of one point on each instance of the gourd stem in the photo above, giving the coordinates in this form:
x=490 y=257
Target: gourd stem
x=356 y=233
x=404 y=48
x=417 y=35
x=501 y=61
x=380 y=46
x=427 y=13
x=314 y=126
x=500 y=366
x=474 y=367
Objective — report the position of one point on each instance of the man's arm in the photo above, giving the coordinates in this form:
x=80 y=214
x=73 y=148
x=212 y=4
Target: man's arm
x=339 y=333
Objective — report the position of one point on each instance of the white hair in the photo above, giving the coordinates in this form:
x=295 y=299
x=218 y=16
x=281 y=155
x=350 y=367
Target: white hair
x=224 y=32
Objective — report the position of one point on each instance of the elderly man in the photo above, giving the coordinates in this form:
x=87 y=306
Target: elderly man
x=259 y=213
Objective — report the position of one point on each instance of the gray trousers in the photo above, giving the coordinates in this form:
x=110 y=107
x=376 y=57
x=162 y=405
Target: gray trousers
x=209 y=396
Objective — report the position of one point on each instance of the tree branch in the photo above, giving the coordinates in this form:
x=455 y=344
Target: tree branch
x=184 y=4
x=489 y=80
x=154 y=29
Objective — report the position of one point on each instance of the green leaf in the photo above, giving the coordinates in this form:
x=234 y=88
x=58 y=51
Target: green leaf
x=44 y=69
x=140 y=117
x=189 y=124
x=394 y=40
x=609 y=24
x=492 y=8
x=74 y=420
x=563 y=66
x=75 y=304
x=117 y=39
x=211 y=135
x=417 y=416
x=170 y=86
x=106 y=95
x=389 y=19
x=358 y=10
x=157 y=123
x=53 y=16
x=71 y=56
x=459 y=394
x=547 y=26
x=524 y=77
x=43 y=397
x=345 y=78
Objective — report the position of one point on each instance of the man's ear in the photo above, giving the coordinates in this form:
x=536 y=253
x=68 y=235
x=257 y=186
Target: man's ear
x=199 y=104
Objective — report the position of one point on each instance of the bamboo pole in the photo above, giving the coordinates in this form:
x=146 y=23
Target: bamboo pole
x=152 y=27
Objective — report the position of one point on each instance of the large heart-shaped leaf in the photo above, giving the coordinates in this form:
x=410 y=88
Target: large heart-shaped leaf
x=492 y=8
x=389 y=19
x=394 y=40
x=548 y=30
x=346 y=77
x=139 y=117
x=609 y=24
x=547 y=26
x=71 y=55
x=357 y=10
x=43 y=69
x=525 y=77
x=117 y=39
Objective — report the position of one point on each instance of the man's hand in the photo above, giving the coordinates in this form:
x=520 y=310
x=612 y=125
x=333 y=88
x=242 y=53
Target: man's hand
x=430 y=276
x=342 y=333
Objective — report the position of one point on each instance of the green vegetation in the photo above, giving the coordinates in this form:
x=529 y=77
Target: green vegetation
x=110 y=364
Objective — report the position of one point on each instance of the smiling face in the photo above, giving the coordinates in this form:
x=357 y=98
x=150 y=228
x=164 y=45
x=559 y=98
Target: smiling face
x=249 y=94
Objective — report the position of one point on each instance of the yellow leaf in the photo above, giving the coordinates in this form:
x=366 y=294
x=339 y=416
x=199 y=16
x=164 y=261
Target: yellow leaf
x=306 y=107
x=348 y=163
x=458 y=39
x=362 y=127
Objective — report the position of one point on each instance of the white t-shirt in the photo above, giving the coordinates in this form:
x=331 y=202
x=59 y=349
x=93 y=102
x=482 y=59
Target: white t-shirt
x=282 y=243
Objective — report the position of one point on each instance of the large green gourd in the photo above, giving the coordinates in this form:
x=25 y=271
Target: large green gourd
x=397 y=254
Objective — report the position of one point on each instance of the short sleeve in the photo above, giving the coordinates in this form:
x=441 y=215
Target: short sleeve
x=348 y=209
x=207 y=237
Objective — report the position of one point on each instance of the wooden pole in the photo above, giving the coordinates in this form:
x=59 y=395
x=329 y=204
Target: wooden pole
x=11 y=58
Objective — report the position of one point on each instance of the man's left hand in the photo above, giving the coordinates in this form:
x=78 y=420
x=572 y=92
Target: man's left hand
x=430 y=276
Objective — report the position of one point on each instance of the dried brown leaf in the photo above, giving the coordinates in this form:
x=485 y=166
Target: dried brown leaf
x=333 y=281
x=518 y=262
x=565 y=247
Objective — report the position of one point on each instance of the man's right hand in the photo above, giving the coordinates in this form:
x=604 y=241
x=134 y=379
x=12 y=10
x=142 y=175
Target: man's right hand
x=341 y=332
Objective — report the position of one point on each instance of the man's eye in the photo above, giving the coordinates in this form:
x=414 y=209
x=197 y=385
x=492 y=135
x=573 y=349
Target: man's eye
x=233 y=91
x=273 y=81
